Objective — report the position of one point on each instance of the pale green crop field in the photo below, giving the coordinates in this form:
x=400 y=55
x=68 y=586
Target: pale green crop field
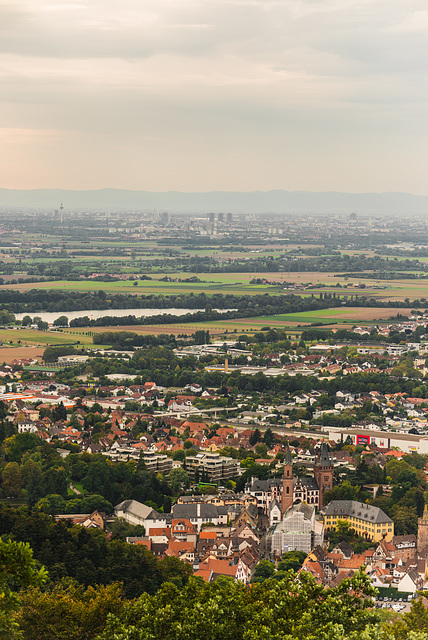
x=34 y=336
x=211 y=283
x=239 y=284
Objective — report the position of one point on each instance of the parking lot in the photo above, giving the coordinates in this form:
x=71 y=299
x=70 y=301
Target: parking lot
x=398 y=605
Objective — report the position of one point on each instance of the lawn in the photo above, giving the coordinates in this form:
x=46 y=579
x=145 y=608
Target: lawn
x=79 y=487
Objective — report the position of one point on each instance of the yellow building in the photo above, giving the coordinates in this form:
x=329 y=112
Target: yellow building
x=368 y=521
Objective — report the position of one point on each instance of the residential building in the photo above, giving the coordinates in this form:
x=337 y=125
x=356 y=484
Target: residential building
x=213 y=465
x=137 y=513
x=199 y=514
x=159 y=463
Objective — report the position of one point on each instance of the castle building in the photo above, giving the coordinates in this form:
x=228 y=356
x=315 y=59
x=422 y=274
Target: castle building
x=368 y=521
x=289 y=490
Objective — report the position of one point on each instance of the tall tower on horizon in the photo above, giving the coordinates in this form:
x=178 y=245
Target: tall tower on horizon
x=61 y=216
x=287 y=484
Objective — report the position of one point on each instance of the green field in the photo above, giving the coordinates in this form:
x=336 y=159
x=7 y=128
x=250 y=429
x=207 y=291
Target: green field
x=21 y=337
x=219 y=283
x=137 y=256
x=239 y=284
x=79 y=487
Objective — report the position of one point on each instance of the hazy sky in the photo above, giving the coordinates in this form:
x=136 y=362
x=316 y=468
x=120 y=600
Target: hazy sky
x=197 y=95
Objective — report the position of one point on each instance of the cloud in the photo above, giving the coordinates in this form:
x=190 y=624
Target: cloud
x=270 y=77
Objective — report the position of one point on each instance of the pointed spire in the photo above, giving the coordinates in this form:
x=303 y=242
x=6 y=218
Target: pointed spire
x=288 y=459
x=324 y=458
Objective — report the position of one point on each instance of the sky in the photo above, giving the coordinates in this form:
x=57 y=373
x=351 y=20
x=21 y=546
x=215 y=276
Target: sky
x=200 y=95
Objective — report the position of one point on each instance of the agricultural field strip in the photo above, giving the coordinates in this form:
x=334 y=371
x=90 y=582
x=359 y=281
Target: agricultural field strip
x=325 y=317
x=396 y=289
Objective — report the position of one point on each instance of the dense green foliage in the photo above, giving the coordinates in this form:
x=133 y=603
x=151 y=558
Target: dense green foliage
x=51 y=354
x=276 y=610
x=68 y=611
x=128 y=339
x=86 y=555
x=18 y=570
x=33 y=469
x=55 y=300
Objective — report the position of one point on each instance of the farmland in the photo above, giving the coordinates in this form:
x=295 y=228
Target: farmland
x=8 y=354
x=335 y=317
x=308 y=283
x=76 y=258
x=21 y=337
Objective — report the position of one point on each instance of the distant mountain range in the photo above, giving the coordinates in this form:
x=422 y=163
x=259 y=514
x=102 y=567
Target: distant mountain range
x=276 y=201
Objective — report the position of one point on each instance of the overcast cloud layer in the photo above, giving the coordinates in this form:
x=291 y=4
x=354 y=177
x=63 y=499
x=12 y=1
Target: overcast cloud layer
x=198 y=95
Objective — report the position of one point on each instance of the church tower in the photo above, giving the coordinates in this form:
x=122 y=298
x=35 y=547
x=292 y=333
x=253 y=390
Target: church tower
x=287 y=484
x=423 y=530
x=323 y=473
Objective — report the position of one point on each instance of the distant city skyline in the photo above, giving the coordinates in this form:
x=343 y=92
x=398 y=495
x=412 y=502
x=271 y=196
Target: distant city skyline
x=196 y=95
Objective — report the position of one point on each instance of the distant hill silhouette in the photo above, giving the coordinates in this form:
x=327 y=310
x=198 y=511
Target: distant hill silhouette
x=275 y=201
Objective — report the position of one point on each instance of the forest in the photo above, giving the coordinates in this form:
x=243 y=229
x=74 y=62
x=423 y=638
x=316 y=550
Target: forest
x=283 y=607
x=34 y=470
x=87 y=556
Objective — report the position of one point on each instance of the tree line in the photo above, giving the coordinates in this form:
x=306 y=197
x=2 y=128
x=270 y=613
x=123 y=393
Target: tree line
x=87 y=556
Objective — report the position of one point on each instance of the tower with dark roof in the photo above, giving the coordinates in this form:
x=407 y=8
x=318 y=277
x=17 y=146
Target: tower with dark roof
x=323 y=473
x=423 y=530
x=287 y=483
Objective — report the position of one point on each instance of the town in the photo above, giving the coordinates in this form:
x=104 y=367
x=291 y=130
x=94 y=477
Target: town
x=206 y=398
x=309 y=455
x=213 y=320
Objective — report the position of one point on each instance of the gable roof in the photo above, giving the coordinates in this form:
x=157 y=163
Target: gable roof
x=135 y=508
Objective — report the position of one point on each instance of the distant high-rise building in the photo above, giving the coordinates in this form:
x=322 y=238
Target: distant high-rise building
x=211 y=217
x=221 y=217
x=229 y=217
